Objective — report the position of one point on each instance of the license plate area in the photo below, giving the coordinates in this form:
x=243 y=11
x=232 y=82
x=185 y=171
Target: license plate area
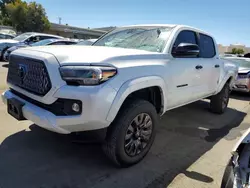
x=14 y=108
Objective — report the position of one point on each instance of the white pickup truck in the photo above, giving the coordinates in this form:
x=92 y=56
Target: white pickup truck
x=123 y=82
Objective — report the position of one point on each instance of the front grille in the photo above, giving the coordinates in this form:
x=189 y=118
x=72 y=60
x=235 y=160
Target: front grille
x=61 y=107
x=29 y=74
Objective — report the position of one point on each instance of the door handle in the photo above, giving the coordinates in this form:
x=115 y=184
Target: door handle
x=199 y=67
x=216 y=66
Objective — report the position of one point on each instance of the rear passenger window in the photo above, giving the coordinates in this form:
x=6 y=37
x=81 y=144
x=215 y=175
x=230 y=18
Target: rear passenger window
x=207 y=49
x=185 y=36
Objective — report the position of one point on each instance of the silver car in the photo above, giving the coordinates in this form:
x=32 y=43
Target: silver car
x=243 y=79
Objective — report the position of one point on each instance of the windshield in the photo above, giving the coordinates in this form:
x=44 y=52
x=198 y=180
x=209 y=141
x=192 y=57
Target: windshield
x=22 y=37
x=42 y=42
x=153 y=40
x=239 y=62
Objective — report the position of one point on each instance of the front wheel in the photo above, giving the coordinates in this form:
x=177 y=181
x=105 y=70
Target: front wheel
x=219 y=102
x=131 y=135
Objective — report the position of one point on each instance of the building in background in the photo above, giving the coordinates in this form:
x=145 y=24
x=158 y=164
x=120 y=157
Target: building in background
x=74 y=32
x=228 y=49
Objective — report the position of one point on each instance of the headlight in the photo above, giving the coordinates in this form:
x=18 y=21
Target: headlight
x=86 y=75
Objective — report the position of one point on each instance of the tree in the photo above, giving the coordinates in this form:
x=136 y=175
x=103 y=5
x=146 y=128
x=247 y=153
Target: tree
x=240 y=51
x=4 y=18
x=2 y=6
x=27 y=16
x=36 y=18
x=237 y=51
x=234 y=51
x=17 y=13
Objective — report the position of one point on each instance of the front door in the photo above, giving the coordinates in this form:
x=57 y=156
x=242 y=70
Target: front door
x=185 y=75
x=184 y=81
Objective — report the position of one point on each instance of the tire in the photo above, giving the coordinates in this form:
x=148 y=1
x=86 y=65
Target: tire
x=4 y=50
x=219 y=102
x=228 y=176
x=119 y=141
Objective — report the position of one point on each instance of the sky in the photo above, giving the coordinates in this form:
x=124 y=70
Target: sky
x=227 y=20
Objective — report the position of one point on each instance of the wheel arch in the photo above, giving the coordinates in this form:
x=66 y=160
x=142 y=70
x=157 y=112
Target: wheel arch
x=229 y=78
x=129 y=88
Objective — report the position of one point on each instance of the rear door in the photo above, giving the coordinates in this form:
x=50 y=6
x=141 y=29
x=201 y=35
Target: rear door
x=211 y=63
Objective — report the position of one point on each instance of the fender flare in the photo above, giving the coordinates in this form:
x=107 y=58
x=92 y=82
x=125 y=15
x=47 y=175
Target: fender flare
x=134 y=85
x=225 y=79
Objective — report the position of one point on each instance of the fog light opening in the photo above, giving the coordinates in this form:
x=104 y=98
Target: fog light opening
x=75 y=107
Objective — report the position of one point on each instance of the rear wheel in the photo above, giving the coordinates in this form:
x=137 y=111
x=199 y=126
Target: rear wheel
x=131 y=135
x=219 y=102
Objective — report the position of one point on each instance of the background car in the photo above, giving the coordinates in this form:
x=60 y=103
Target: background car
x=247 y=55
x=243 y=79
x=25 y=38
x=6 y=36
x=7 y=33
x=228 y=55
x=40 y=43
x=87 y=42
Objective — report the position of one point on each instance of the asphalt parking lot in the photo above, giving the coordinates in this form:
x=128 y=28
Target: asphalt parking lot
x=191 y=150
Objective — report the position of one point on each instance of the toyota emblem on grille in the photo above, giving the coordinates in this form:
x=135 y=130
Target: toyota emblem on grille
x=21 y=71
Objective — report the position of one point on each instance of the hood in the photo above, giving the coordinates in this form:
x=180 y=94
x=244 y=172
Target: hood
x=74 y=54
x=8 y=41
x=22 y=45
x=16 y=47
x=244 y=69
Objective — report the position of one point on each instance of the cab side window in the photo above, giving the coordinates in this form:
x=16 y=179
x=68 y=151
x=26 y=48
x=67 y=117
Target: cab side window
x=46 y=37
x=207 y=48
x=33 y=39
x=185 y=36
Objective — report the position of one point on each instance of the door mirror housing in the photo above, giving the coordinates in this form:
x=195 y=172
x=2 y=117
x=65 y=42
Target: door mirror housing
x=186 y=50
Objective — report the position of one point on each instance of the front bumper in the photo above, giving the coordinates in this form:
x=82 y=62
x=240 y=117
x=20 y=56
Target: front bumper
x=242 y=85
x=94 y=110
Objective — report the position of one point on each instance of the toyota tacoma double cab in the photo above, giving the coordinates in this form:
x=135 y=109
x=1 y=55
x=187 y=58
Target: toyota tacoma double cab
x=122 y=83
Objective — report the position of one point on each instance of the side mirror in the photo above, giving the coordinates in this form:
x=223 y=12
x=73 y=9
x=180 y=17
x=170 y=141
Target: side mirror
x=186 y=50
